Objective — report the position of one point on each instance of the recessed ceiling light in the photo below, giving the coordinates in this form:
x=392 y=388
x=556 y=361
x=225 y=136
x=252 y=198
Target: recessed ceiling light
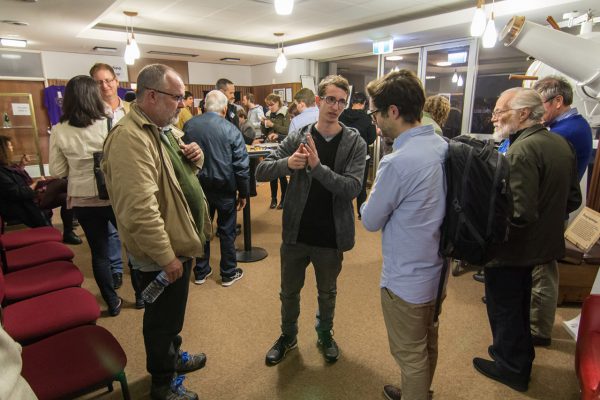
x=106 y=49
x=13 y=42
x=394 y=58
x=11 y=56
x=430 y=77
x=443 y=63
x=230 y=59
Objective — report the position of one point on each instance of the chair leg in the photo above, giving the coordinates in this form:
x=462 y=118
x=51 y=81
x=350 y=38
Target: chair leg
x=124 y=387
x=110 y=387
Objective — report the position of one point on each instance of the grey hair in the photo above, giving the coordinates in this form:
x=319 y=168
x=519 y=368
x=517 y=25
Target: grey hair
x=152 y=76
x=527 y=98
x=215 y=101
x=554 y=85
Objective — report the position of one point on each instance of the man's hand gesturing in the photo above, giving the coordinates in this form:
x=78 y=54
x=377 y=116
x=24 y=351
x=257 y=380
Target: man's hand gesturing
x=311 y=152
x=298 y=159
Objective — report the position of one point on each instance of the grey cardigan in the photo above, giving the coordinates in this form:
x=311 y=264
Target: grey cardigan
x=344 y=182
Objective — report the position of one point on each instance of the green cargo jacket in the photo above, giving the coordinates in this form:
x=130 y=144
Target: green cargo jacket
x=545 y=189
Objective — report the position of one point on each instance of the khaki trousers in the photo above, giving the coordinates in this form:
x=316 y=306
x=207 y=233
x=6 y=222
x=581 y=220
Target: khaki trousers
x=413 y=341
x=544 y=295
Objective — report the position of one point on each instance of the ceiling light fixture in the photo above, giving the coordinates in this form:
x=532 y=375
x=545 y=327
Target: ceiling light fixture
x=230 y=59
x=284 y=7
x=490 y=36
x=107 y=49
x=394 y=58
x=455 y=77
x=478 y=24
x=132 y=51
x=281 y=63
x=13 y=42
x=430 y=77
x=460 y=81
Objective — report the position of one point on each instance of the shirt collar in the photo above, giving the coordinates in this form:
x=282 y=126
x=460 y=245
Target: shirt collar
x=416 y=131
x=572 y=111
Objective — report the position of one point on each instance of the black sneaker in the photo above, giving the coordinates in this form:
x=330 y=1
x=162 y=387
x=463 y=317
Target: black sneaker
x=187 y=362
x=139 y=302
x=199 y=279
x=173 y=391
x=228 y=281
x=280 y=348
x=273 y=203
x=117 y=280
x=115 y=309
x=328 y=346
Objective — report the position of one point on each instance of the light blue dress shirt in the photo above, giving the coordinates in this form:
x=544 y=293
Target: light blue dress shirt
x=408 y=204
x=306 y=117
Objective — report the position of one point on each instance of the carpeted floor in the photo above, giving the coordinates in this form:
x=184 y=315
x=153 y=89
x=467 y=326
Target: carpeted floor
x=235 y=326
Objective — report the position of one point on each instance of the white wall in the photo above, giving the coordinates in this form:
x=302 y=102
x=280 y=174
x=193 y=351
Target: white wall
x=209 y=74
x=264 y=74
x=67 y=65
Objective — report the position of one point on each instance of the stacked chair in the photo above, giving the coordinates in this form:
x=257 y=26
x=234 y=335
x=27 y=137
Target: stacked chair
x=65 y=354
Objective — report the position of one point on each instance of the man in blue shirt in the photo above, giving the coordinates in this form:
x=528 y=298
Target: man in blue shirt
x=408 y=204
x=309 y=112
x=559 y=117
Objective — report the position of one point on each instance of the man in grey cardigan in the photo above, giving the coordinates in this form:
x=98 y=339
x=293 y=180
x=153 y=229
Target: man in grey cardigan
x=326 y=161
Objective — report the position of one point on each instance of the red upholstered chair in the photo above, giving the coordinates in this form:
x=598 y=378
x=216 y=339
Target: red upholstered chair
x=35 y=254
x=74 y=362
x=45 y=278
x=587 y=353
x=25 y=237
x=48 y=314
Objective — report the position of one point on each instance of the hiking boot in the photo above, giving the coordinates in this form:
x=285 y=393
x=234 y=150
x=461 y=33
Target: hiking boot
x=172 y=391
x=328 y=346
x=187 y=362
x=282 y=345
x=199 y=279
x=228 y=281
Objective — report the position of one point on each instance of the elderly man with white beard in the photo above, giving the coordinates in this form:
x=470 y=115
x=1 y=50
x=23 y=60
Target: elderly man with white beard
x=545 y=188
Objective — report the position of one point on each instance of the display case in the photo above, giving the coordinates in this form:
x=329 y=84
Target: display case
x=18 y=122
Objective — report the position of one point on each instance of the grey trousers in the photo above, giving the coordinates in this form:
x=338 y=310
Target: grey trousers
x=544 y=295
x=327 y=264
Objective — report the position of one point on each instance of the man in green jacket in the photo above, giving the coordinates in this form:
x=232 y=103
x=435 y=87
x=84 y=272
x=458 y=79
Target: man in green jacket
x=545 y=188
x=161 y=215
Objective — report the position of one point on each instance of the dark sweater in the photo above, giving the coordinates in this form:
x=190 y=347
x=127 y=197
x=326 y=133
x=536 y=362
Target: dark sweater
x=317 y=226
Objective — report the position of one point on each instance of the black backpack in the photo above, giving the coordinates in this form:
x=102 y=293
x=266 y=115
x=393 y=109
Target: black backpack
x=479 y=202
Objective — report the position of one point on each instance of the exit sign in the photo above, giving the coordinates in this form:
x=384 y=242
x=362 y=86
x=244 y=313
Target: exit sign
x=384 y=46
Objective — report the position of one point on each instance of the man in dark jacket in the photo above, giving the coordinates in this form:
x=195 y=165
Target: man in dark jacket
x=224 y=178
x=228 y=89
x=545 y=188
x=326 y=161
x=356 y=117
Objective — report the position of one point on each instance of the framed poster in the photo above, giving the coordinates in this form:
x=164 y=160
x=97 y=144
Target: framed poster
x=280 y=93
x=308 y=81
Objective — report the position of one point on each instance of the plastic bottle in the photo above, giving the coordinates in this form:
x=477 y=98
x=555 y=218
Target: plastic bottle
x=155 y=288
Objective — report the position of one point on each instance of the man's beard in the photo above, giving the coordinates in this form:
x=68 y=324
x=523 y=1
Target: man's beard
x=504 y=131
x=175 y=118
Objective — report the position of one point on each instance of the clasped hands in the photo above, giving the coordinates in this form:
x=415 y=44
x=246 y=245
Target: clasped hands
x=306 y=154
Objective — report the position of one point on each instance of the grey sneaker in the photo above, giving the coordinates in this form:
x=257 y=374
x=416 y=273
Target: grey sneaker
x=174 y=391
x=228 y=281
x=187 y=362
x=328 y=346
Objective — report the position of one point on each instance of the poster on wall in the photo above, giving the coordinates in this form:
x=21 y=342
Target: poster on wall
x=288 y=95
x=280 y=93
x=308 y=81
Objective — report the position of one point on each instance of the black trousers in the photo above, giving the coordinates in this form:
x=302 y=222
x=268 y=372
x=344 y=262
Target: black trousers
x=163 y=321
x=508 y=294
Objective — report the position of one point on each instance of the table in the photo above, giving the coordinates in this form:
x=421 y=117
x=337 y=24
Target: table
x=250 y=253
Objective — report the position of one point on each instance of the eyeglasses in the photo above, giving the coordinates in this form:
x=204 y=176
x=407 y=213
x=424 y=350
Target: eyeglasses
x=106 y=82
x=550 y=99
x=177 y=97
x=371 y=113
x=497 y=113
x=331 y=100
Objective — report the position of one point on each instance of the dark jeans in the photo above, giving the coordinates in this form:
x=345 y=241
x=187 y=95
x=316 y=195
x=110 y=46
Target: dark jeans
x=224 y=205
x=163 y=321
x=508 y=294
x=94 y=222
x=283 y=182
x=294 y=260
x=362 y=196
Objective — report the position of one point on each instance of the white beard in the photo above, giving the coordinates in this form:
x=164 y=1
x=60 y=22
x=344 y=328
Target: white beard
x=499 y=135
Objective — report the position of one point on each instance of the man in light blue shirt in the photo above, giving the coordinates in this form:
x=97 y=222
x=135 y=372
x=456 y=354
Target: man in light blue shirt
x=309 y=112
x=408 y=204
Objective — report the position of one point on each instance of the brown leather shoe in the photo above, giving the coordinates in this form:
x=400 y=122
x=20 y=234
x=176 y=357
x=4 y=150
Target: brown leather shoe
x=392 y=392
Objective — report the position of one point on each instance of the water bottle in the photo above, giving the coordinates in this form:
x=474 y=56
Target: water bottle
x=155 y=288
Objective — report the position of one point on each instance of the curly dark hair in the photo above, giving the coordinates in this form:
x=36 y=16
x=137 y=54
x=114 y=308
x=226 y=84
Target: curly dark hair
x=82 y=103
